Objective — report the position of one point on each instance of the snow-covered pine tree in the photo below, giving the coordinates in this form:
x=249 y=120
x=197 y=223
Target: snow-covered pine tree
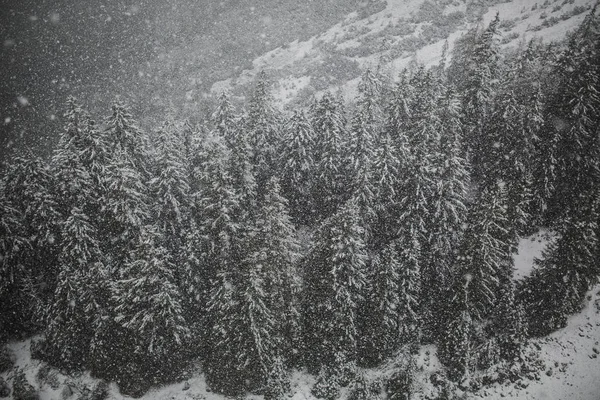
x=225 y=122
x=410 y=288
x=148 y=306
x=389 y=315
x=74 y=182
x=243 y=336
x=567 y=269
x=334 y=286
x=447 y=198
x=330 y=181
x=81 y=294
x=485 y=252
x=264 y=130
x=361 y=175
x=127 y=140
x=509 y=324
x=253 y=306
x=364 y=136
x=170 y=192
x=276 y=250
x=455 y=349
x=13 y=242
x=415 y=154
x=480 y=71
x=29 y=189
x=386 y=181
x=298 y=167
x=574 y=116
x=125 y=208
x=514 y=127
x=378 y=315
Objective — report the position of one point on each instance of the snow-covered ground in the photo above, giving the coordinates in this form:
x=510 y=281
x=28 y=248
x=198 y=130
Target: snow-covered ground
x=571 y=361
x=523 y=20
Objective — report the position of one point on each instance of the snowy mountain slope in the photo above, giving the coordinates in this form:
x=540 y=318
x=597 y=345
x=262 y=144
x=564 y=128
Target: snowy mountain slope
x=404 y=31
x=570 y=359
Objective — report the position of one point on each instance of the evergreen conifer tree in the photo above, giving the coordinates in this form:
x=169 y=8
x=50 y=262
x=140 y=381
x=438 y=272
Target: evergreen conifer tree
x=298 y=166
x=331 y=140
x=573 y=110
x=148 y=306
x=565 y=272
x=484 y=253
x=80 y=296
x=335 y=281
x=264 y=133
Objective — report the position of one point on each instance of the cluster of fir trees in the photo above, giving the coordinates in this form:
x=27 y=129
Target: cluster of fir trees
x=137 y=253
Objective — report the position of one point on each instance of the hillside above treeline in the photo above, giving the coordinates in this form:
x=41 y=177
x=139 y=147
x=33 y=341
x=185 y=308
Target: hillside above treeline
x=430 y=236
x=175 y=58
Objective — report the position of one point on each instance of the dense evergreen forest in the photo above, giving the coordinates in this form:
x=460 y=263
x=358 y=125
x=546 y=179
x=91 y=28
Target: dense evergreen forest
x=329 y=239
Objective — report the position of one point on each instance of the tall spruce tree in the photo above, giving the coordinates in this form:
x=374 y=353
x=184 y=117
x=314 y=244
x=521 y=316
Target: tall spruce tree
x=170 y=192
x=298 y=167
x=567 y=269
x=480 y=76
x=81 y=294
x=148 y=306
x=331 y=140
x=264 y=133
x=334 y=285
x=386 y=182
x=485 y=252
x=573 y=110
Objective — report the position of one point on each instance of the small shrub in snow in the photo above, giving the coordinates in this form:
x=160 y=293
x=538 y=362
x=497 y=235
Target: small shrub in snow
x=98 y=392
x=47 y=376
x=363 y=390
x=22 y=389
x=326 y=387
x=346 y=372
x=38 y=349
x=4 y=388
x=399 y=385
x=6 y=359
x=278 y=382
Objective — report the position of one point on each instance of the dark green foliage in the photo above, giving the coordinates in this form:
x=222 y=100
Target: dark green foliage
x=567 y=269
x=399 y=385
x=6 y=359
x=326 y=387
x=509 y=324
x=22 y=389
x=574 y=116
x=297 y=168
x=100 y=391
x=137 y=256
x=335 y=280
x=331 y=144
x=4 y=388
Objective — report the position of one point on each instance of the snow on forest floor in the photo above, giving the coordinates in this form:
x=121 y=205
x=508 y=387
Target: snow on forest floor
x=570 y=357
x=530 y=248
